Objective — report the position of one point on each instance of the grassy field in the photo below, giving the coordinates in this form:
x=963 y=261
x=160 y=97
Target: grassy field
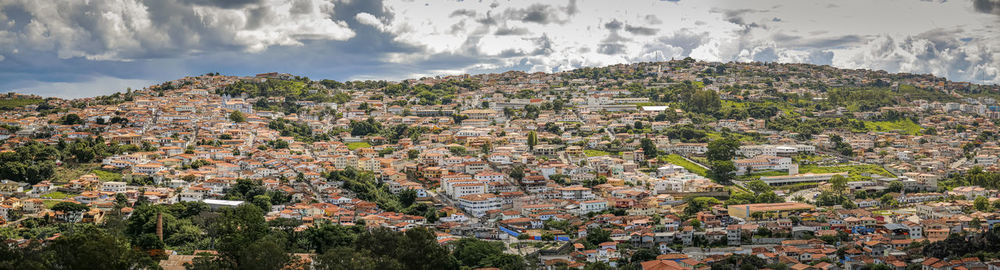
x=595 y=153
x=855 y=172
x=905 y=126
x=49 y=203
x=56 y=195
x=755 y=176
x=68 y=171
x=107 y=176
x=11 y=103
x=356 y=145
x=690 y=166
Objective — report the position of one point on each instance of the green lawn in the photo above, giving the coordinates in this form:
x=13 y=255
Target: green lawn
x=356 y=145
x=108 y=176
x=690 y=166
x=56 y=195
x=755 y=176
x=49 y=203
x=905 y=126
x=595 y=153
x=854 y=171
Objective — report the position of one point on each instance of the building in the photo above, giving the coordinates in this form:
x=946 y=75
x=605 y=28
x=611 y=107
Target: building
x=479 y=204
x=767 y=210
x=799 y=178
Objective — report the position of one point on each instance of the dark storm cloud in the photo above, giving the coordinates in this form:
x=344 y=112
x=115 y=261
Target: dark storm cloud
x=810 y=42
x=639 y=30
x=987 y=6
x=613 y=25
x=463 y=12
x=222 y=3
x=512 y=31
x=537 y=13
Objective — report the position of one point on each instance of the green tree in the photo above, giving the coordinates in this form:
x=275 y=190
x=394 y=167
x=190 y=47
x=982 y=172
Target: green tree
x=83 y=247
x=722 y=170
x=722 y=149
x=981 y=204
x=596 y=236
x=347 y=258
x=71 y=119
x=262 y=201
x=758 y=186
x=237 y=116
x=839 y=184
x=532 y=140
x=648 y=147
x=644 y=254
x=887 y=200
x=473 y=252
x=704 y=101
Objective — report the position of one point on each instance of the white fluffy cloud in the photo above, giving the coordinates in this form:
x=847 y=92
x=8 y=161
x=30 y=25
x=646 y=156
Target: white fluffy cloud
x=896 y=35
x=66 y=41
x=137 y=29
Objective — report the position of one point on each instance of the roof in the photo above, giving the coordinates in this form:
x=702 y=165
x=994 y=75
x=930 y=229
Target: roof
x=662 y=265
x=756 y=207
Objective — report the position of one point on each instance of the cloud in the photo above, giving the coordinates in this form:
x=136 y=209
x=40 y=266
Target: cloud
x=101 y=85
x=369 y=19
x=986 y=6
x=123 y=30
x=67 y=41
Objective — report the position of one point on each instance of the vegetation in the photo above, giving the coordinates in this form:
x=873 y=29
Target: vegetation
x=595 y=153
x=355 y=145
x=690 y=166
x=903 y=126
x=854 y=172
x=17 y=102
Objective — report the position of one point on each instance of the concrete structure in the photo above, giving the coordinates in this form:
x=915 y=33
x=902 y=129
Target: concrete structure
x=767 y=210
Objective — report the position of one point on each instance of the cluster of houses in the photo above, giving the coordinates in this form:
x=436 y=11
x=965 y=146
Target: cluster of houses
x=499 y=165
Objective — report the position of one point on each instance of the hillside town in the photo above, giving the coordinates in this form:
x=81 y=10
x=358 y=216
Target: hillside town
x=662 y=165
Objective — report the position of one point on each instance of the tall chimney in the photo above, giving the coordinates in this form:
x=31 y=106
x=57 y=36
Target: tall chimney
x=159 y=225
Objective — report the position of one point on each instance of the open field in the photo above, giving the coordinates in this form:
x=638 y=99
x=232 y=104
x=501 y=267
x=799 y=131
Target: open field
x=690 y=166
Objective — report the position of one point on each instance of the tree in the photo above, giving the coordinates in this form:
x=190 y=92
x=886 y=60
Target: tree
x=88 y=247
x=70 y=207
x=407 y=197
x=768 y=197
x=758 y=186
x=598 y=266
x=704 y=101
x=245 y=242
x=981 y=204
x=532 y=140
x=517 y=173
x=262 y=201
x=644 y=254
x=474 y=253
x=346 y=258
x=237 y=116
x=722 y=170
x=839 y=184
x=71 y=119
x=648 y=147
x=722 y=149
x=895 y=186
x=596 y=236
x=887 y=200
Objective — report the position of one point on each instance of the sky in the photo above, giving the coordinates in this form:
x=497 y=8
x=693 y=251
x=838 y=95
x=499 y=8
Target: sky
x=80 y=48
